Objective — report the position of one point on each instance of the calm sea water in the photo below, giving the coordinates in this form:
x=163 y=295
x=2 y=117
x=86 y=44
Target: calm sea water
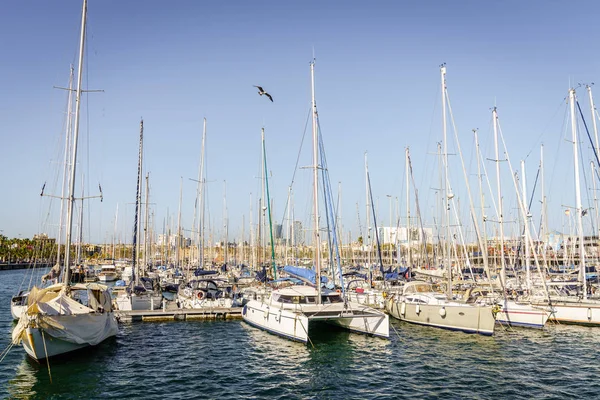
x=229 y=359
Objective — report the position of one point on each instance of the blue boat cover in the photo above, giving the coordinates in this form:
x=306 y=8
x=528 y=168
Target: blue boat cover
x=305 y=274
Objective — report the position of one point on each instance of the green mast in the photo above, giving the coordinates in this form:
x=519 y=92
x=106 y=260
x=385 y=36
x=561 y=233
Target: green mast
x=268 y=204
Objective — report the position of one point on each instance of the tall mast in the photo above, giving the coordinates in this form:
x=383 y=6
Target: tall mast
x=74 y=153
x=500 y=212
x=368 y=220
x=225 y=227
x=526 y=222
x=266 y=183
x=138 y=200
x=146 y=219
x=408 y=241
x=484 y=253
x=178 y=239
x=317 y=239
x=446 y=180
x=202 y=190
x=65 y=165
x=595 y=126
x=579 y=208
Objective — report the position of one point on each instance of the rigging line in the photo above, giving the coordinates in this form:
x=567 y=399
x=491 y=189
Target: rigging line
x=297 y=161
x=375 y=225
x=588 y=133
x=331 y=212
x=419 y=218
x=538 y=140
x=556 y=155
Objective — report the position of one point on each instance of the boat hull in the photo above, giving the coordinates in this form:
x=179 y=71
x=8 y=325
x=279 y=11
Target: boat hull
x=464 y=318
x=40 y=346
x=522 y=315
x=143 y=302
x=576 y=313
x=281 y=322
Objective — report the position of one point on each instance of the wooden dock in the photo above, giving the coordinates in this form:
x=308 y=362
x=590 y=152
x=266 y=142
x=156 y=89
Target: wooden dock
x=177 y=314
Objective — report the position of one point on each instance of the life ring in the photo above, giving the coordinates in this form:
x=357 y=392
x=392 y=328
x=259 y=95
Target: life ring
x=200 y=295
x=338 y=291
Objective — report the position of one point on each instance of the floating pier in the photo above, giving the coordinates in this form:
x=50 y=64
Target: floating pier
x=178 y=314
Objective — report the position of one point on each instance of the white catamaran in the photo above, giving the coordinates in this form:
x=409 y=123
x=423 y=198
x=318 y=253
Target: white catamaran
x=289 y=312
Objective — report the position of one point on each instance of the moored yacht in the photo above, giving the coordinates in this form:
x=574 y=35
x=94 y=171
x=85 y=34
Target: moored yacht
x=420 y=304
x=290 y=311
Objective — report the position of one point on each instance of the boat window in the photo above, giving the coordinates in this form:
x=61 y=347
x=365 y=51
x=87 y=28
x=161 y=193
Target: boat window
x=311 y=299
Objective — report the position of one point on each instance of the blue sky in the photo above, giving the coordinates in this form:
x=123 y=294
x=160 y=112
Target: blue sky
x=377 y=78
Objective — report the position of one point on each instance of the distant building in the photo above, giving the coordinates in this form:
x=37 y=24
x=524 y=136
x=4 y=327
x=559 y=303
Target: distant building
x=278 y=231
x=392 y=235
x=298 y=232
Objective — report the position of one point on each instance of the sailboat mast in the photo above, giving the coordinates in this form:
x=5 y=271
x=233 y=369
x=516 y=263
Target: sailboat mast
x=65 y=165
x=71 y=192
x=579 y=208
x=446 y=181
x=138 y=197
x=500 y=212
x=178 y=239
x=484 y=240
x=408 y=241
x=526 y=222
x=367 y=240
x=146 y=219
x=317 y=240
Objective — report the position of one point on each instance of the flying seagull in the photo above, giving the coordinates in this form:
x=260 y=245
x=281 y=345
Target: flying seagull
x=261 y=91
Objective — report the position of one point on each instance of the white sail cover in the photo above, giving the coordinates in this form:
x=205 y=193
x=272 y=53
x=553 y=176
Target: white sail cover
x=62 y=317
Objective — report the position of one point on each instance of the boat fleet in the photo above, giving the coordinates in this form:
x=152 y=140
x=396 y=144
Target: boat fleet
x=61 y=315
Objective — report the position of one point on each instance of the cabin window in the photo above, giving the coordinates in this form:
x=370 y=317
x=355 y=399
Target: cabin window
x=311 y=299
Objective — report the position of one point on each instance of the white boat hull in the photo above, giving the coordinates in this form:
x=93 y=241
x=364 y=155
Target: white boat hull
x=464 y=318
x=286 y=323
x=107 y=278
x=144 y=302
x=295 y=324
x=523 y=315
x=40 y=346
x=576 y=313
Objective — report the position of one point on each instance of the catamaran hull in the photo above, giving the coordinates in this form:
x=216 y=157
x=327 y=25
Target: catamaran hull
x=469 y=319
x=40 y=346
x=295 y=325
x=286 y=323
x=372 y=325
x=522 y=315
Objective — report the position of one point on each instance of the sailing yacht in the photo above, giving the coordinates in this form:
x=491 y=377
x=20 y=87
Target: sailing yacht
x=289 y=312
x=140 y=294
x=64 y=317
x=419 y=303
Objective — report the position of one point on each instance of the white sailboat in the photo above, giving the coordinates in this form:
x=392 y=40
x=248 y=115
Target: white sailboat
x=578 y=310
x=289 y=312
x=65 y=317
x=137 y=296
x=419 y=303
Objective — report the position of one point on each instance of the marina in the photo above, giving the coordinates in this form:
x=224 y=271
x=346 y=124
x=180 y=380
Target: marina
x=360 y=257
x=226 y=358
